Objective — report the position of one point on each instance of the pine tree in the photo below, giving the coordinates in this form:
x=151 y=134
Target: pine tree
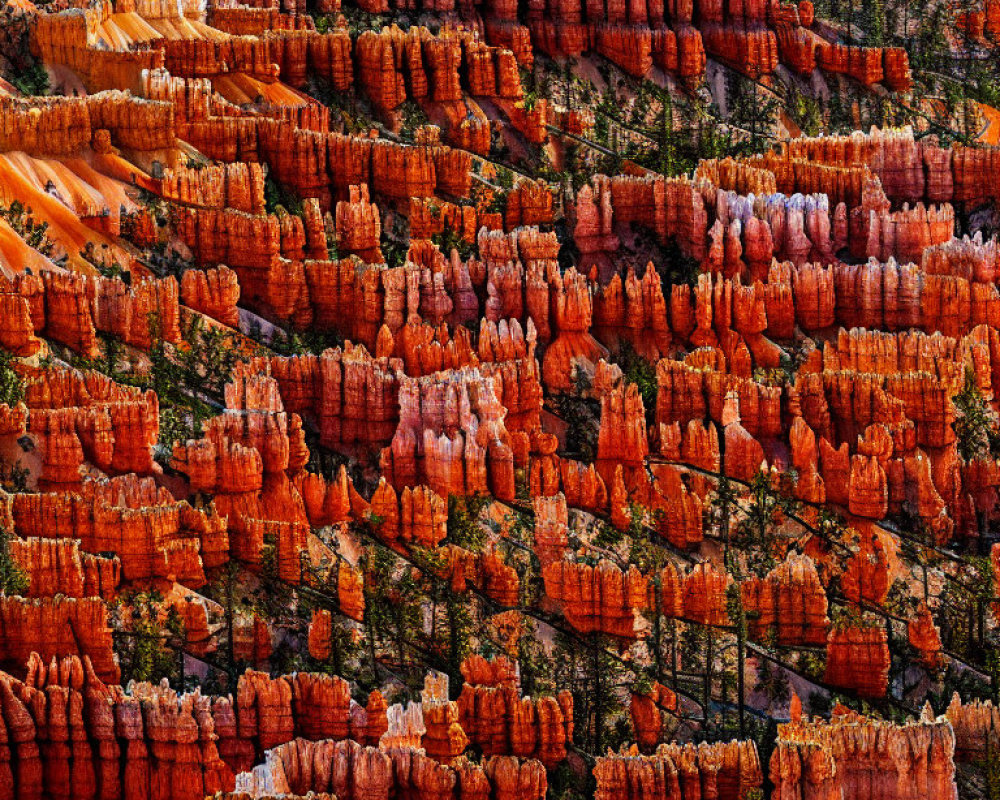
x=13 y=579
x=975 y=424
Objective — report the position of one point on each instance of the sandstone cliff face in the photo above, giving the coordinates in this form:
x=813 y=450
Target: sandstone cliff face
x=924 y=636
x=319 y=635
x=213 y=292
x=273 y=711
x=351 y=397
x=573 y=347
x=416 y=516
x=976 y=726
x=857 y=658
x=61 y=126
x=750 y=39
x=703 y=595
x=73 y=308
x=452 y=436
x=866 y=577
x=852 y=756
x=530 y=203
x=622 y=440
x=866 y=424
x=153 y=535
x=601 y=598
x=57 y=566
x=687 y=393
x=56 y=627
x=724 y=770
x=251 y=458
x=69 y=729
x=800 y=768
x=485 y=571
x=347 y=768
x=551 y=528
x=358 y=226
x=303 y=155
x=494 y=672
x=790 y=601
x=67 y=726
x=501 y=722
x=431 y=217
x=239 y=186
x=647 y=714
x=18 y=331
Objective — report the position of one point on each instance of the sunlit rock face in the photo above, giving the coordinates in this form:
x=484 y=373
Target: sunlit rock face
x=361 y=438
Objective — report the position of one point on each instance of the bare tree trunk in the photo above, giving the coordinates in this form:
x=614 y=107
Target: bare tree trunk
x=709 y=658
x=673 y=653
x=598 y=705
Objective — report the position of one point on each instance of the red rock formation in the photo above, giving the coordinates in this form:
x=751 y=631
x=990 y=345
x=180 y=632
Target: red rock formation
x=680 y=52
x=351 y=397
x=976 y=726
x=319 y=635
x=315 y=706
x=573 y=347
x=252 y=640
x=868 y=490
x=76 y=416
x=866 y=575
x=530 y=203
x=646 y=711
x=798 y=768
x=443 y=739
x=485 y=571
x=594 y=219
x=753 y=51
x=857 y=659
x=805 y=459
x=502 y=722
x=426 y=349
x=789 y=601
x=417 y=516
x=73 y=308
x=864 y=64
x=881 y=405
x=152 y=534
x=239 y=186
x=581 y=483
x=56 y=566
x=744 y=455
x=636 y=310
x=451 y=436
x=629 y=48
x=358 y=226
x=17 y=334
x=700 y=596
x=725 y=770
x=213 y=292
x=303 y=766
x=253 y=246
x=852 y=756
x=98 y=739
x=494 y=672
x=62 y=126
x=923 y=635
x=621 y=441
x=601 y=598
x=429 y=218
x=57 y=627
x=513 y=779
x=551 y=528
